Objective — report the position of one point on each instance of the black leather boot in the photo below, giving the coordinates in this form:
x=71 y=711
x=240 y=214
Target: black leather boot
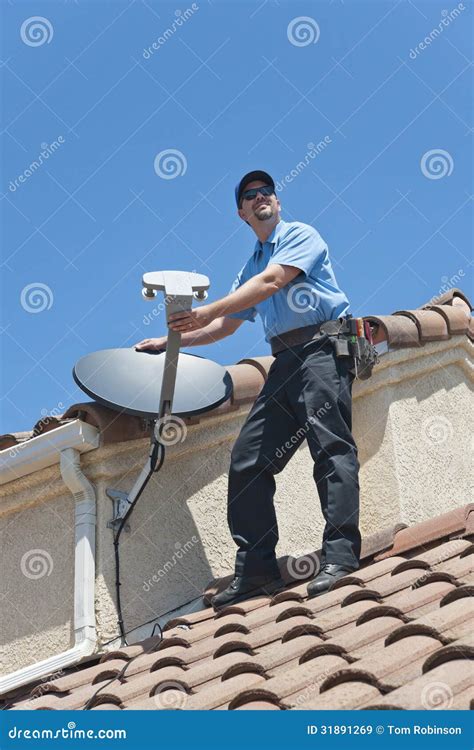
x=326 y=578
x=246 y=587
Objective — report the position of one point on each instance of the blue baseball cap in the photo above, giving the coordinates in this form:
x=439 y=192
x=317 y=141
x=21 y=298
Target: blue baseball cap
x=257 y=174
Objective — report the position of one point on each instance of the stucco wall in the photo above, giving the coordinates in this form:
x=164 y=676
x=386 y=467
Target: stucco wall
x=179 y=538
x=37 y=569
x=412 y=423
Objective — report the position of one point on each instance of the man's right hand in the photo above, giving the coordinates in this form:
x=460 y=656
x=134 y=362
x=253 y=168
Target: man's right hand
x=151 y=345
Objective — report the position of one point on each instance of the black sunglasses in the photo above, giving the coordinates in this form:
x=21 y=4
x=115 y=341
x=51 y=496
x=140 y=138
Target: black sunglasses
x=249 y=195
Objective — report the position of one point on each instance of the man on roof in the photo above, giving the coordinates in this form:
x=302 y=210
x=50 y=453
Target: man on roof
x=289 y=282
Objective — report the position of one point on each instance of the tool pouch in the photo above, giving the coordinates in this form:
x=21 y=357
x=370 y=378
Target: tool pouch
x=360 y=348
x=365 y=359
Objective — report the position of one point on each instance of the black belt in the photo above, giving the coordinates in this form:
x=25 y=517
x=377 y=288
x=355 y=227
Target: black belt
x=302 y=335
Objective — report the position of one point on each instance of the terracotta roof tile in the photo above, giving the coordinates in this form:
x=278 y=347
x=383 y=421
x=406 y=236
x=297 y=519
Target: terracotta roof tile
x=440 y=318
x=415 y=602
x=294 y=682
x=453 y=621
x=437 y=689
x=394 y=666
x=113 y=426
x=451 y=297
x=379 y=541
x=431 y=325
x=130 y=652
x=456 y=318
x=383 y=638
x=456 y=522
x=399 y=332
x=368 y=636
x=10 y=440
x=349 y=694
x=86 y=676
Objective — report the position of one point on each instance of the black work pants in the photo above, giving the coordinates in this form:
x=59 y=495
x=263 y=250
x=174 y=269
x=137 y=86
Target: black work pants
x=307 y=395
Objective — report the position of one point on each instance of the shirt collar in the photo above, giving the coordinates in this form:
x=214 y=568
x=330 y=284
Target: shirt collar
x=273 y=237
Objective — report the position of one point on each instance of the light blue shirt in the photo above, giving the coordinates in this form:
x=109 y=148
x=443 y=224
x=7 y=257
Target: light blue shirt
x=311 y=298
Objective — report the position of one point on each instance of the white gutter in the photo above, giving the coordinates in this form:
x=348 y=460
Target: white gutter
x=85 y=635
x=44 y=450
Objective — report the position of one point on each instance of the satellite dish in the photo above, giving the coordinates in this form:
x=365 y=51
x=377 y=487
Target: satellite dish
x=130 y=381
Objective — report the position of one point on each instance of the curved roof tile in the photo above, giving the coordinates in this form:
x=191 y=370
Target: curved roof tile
x=439 y=319
x=338 y=658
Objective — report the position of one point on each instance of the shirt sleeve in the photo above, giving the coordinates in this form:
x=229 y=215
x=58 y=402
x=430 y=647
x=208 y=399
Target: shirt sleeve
x=250 y=313
x=302 y=247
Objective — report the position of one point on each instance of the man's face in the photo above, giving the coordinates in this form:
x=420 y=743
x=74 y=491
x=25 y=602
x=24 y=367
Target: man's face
x=259 y=209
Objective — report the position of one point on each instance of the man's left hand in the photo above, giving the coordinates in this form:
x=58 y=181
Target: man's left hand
x=191 y=320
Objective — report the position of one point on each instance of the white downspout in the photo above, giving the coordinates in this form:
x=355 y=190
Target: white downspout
x=85 y=635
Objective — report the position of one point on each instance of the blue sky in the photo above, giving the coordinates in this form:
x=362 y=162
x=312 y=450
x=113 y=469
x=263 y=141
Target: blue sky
x=231 y=86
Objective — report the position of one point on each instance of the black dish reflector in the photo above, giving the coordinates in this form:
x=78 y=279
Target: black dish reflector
x=130 y=381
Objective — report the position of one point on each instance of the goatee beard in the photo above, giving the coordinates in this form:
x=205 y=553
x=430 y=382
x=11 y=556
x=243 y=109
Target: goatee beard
x=263 y=216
